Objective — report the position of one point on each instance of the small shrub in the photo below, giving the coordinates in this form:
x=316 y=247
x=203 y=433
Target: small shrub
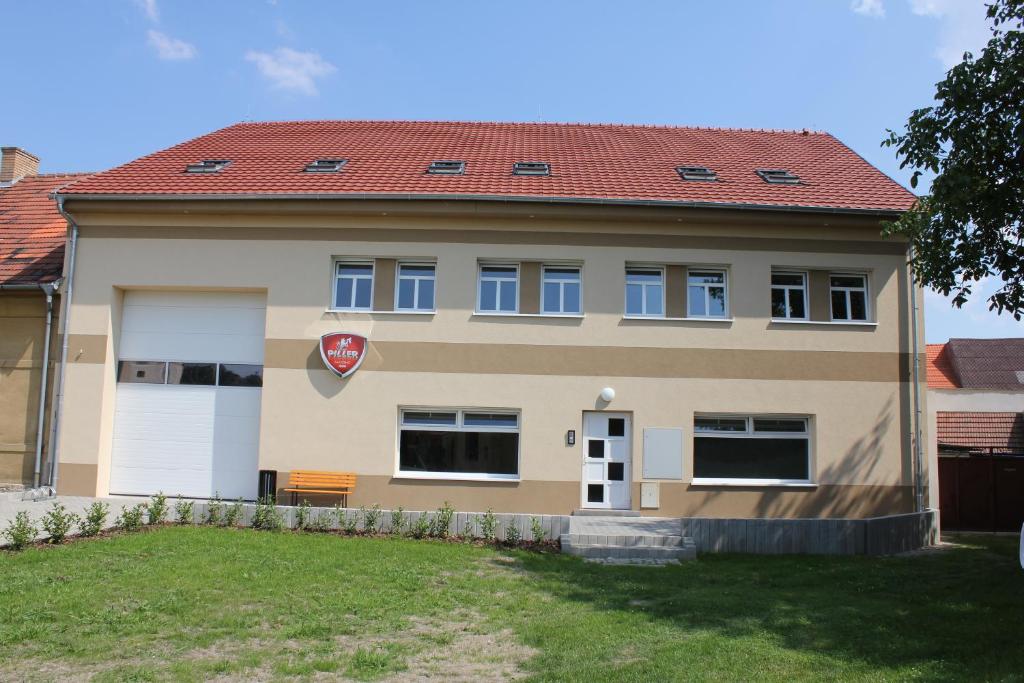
x=215 y=510
x=537 y=530
x=95 y=519
x=397 y=521
x=130 y=518
x=58 y=523
x=20 y=531
x=512 y=535
x=156 y=511
x=233 y=515
x=302 y=515
x=371 y=518
x=184 y=511
x=421 y=527
x=442 y=522
x=266 y=516
x=349 y=522
x=489 y=526
x=323 y=521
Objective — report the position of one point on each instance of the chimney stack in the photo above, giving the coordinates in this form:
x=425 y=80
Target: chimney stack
x=15 y=164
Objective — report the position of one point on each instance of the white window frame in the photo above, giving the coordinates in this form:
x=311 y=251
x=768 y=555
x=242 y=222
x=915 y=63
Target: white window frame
x=337 y=276
x=846 y=291
x=749 y=433
x=561 y=288
x=497 y=298
x=643 y=296
x=787 y=293
x=416 y=285
x=707 y=293
x=459 y=426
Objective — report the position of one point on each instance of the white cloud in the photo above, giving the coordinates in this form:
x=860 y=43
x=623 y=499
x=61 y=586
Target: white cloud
x=150 y=8
x=964 y=27
x=170 y=48
x=943 y=321
x=289 y=69
x=869 y=8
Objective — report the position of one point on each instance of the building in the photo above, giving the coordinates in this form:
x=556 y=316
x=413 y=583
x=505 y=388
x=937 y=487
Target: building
x=32 y=235
x=976 y=412
x=536 y=318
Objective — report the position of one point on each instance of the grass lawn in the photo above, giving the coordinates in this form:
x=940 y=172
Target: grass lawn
x=202 y=603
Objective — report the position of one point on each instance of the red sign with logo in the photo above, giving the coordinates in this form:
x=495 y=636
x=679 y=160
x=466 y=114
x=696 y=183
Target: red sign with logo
x=342 y=352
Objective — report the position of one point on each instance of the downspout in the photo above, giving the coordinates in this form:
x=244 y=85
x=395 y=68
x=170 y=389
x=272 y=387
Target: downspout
x=918 y=459
x=58 y=401
x=48 y=289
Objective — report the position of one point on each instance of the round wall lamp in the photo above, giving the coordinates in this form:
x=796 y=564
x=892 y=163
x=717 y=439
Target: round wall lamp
x=607 y=394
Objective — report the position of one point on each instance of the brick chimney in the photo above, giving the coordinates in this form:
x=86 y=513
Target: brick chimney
x=15 y=164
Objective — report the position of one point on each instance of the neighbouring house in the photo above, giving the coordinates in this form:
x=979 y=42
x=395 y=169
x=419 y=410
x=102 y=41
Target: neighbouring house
x=976 y=411
x=32 y=235
x=525 y=317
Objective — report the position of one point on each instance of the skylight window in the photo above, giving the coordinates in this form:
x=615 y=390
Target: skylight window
x=778 y=176
x=207 y=166
x=325 y=165
x=447 y=167
x=696 y=173
x=531 y=168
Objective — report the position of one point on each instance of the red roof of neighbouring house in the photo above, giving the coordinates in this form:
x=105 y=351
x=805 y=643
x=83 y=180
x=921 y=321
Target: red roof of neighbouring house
x=588 y=162
x=988 y=363
x=32 y=231
x=981 y=431
x=941 y=374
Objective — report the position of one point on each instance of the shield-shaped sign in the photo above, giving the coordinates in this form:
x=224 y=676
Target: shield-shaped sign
x=342 y=352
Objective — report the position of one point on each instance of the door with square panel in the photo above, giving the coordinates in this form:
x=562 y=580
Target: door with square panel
x=606 y=460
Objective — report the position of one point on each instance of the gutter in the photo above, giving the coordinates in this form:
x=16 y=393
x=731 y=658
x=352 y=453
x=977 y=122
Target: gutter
x=918 y=458
x=58 y=401
x=509 y=199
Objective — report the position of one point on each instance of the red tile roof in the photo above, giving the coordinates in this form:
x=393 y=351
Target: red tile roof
x=32 y=231
x=981 y=431
x=596 y=162
x=941 y=374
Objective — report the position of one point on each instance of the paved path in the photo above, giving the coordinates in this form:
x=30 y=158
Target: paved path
x=10 y=506
x=625 y=526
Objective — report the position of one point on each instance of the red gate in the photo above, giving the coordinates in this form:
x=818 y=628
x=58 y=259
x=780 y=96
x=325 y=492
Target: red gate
x=981 y=492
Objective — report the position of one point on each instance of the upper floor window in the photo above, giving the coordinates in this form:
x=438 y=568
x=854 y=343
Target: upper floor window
x=416 y=284
x=849 y=297
x=561 y=293
x=645 y=292
x=789 y=295
x=498 y=289
x=353 y=286
x=705 y=296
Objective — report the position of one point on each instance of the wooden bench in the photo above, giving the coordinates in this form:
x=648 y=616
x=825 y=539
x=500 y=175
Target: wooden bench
x=310 y=481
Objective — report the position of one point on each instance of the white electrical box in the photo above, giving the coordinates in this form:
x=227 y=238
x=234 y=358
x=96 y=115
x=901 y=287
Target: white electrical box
x=649 y=495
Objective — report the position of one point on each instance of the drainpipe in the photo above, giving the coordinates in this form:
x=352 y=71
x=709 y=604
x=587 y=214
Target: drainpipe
x=58 y=401
x=918 y=459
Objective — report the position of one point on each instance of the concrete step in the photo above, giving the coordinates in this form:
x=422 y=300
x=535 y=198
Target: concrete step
x=623 y=550
x=606 y=513
x=627 y=541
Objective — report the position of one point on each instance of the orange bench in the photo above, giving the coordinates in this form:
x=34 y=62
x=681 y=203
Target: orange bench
x=310 y=481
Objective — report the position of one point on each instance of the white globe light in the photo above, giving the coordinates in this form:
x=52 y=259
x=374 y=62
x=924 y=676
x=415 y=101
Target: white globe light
x=607 y=394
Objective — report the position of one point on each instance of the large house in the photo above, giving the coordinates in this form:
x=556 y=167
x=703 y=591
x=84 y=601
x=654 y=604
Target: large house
x=32 y=236
x=525 y=317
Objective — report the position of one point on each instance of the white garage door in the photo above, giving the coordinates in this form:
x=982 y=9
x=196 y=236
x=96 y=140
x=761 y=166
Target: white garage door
x=190 y=373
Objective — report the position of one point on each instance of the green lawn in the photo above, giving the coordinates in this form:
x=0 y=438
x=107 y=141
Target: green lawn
x=199 y=603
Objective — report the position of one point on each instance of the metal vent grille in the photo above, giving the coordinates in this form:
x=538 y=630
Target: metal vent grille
x=325 y=165
x=447 y=167
x=207 y=166
x=531 y=168
x=696 y=173
x=778 y=176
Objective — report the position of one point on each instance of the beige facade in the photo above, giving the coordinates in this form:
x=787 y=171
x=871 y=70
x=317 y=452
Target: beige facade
x=853 y=381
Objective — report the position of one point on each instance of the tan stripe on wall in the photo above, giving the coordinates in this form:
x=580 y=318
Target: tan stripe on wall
x=603 y=361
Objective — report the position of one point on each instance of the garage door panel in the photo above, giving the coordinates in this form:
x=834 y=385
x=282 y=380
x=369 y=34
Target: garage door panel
x=179 y=299
x=171 y=320
x=196 y=348
x=179 y=482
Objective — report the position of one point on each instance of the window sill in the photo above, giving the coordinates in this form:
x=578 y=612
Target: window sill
x=452 y=476
x=366 y=312
x=831 y=323
x=689 y=319
x=486 y=314
x=775 y=483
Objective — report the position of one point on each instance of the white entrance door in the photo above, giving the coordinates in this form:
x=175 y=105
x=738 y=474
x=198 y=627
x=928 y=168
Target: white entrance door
x=187 y=409
x=606 y=460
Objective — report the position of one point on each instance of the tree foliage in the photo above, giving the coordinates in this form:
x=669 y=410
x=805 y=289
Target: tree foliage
x=969 y=226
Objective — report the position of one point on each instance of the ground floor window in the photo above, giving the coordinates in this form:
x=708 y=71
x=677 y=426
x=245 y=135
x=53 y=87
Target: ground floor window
x=751 y=449
x=459 y=443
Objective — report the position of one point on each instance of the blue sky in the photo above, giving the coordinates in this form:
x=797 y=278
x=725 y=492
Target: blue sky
x=105 y=82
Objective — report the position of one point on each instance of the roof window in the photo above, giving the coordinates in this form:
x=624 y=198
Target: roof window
x=207 y=166
x=325 y=165
x=531 y=168
x=696 y=173
x=778 y=176
x=447 y=167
